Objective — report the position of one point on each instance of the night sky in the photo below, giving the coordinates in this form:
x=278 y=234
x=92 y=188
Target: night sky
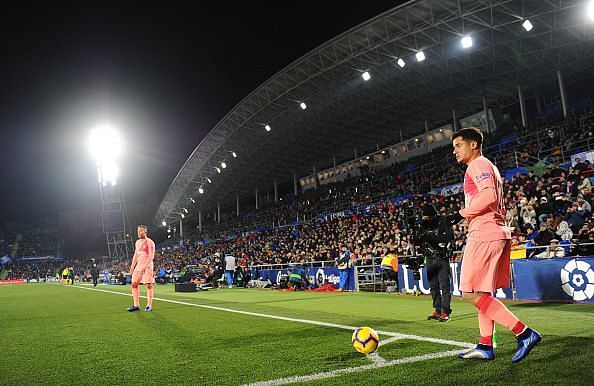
x=163 y=73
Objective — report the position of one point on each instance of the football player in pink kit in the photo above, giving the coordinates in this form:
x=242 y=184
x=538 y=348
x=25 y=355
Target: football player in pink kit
x=141 y=269
x=486 y=261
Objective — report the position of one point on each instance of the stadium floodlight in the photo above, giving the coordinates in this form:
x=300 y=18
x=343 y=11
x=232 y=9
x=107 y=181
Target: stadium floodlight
x=527 y=25
x=401 y=62
x=383 y=152
x=591 y=10
x=168 y=230
x=268 y=128
x=218 y=169
x=234 y=154
x=367 y=157
x=192 y=200
x=164 y=223
x=365 y=76
x=420 y=56
x=201 y=190
x=303 y=105
x=209 y=180
x=182 y=215
x=466 y=42
x=105 y=144
x=184 y=210
x=223 y=165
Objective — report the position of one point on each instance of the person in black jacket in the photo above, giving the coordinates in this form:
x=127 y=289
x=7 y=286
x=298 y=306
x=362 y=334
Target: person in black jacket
x=94 y=273
x=437 y=244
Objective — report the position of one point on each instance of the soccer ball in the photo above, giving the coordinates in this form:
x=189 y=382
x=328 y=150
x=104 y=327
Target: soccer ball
x=365 y=340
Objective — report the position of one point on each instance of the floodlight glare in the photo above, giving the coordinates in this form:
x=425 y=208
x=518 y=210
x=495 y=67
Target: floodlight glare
x=234 y=154
x=401 y=62
x=164 y=223
x=105 y=144
x=209 y=180
x=466 y=42
x=420 y=56
x=527 y=25
x=218 y=170
x=303 y=105
x=183 y=215
x=366 y=76
x=268 y=128
x=591 y=10
x=107 y=173
x=200 y=190
x=185 y=210
x=223 y=165
x=168 y=230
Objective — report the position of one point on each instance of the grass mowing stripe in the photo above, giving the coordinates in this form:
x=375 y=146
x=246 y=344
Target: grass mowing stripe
x=314 y=322
x=349 y=370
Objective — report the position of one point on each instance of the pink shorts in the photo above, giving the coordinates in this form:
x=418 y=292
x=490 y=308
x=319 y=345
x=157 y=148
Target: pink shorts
x=144 y=277
x=485 y=266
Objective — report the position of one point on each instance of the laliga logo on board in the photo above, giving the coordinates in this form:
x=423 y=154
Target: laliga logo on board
x=577 y=280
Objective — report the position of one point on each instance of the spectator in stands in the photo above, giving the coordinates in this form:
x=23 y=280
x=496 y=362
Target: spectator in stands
x=553 y=250
x=343 y=264
x=544 y=235
x=229 y=269
x=561 y=228
x=584 y=205
x=530 y=233
x=576 y=216
x=544 y=208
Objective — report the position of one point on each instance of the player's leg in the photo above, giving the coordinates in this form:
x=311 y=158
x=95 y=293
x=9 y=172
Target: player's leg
x=150 y=291
x=487 y=269
x=444 y=288
x=433 y=279
x=136 y=276
x=494 y=309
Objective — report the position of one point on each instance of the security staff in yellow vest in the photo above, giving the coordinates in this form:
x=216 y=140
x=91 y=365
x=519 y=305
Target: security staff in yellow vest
x=390 y=268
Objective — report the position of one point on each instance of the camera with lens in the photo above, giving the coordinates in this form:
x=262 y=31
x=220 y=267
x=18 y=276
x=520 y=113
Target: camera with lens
x=415 y=261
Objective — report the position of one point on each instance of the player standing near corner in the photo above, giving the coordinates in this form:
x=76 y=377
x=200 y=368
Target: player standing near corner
x=486 y=262
x=142 y=269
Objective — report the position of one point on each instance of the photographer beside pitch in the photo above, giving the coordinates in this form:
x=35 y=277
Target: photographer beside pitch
x=486 y=261
x=436 y=240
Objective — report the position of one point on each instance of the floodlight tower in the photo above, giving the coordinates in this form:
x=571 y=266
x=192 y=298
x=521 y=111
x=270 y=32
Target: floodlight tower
x=105 y=145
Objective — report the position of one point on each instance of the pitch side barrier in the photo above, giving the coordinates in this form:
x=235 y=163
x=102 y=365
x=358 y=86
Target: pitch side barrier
x=560 y=279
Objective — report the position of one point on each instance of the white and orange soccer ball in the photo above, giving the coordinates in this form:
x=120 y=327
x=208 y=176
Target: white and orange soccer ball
x=365 y=340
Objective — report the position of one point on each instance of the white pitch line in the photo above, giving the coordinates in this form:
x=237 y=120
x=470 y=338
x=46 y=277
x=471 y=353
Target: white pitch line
x=306 y=321
x=348 y=370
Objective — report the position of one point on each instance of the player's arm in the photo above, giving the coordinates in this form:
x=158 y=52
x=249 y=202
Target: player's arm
x=134 y=262
x=151 y=249
x=486 y=196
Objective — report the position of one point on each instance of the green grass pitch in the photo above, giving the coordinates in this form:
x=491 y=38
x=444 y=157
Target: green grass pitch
x=55 y=334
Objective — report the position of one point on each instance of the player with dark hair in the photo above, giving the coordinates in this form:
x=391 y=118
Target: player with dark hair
x=486 y=261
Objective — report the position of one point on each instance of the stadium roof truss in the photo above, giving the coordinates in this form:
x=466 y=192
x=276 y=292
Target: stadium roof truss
x=344 y=112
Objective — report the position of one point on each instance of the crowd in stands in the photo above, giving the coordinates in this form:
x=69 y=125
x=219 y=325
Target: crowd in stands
x=549 y=207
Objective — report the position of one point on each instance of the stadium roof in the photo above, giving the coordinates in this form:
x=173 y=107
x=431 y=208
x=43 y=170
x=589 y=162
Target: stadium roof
x=345 y=112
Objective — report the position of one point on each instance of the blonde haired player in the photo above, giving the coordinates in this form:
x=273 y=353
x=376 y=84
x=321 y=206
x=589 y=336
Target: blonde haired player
x=141 y=269
x=486 y=261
